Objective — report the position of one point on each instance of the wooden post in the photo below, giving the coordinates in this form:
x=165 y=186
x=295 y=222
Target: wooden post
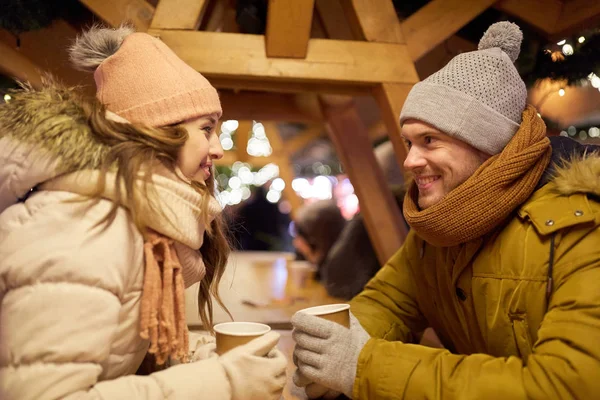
x=382 y=216
x=288 y=28
x=300 y=141
x=542 y=14
x=215 y=17
x=242 y=134
x=378 y=131
x=390 y=97
x=332 y=13
x=286 y=168
x=374 y=22
x=178 y=14
x=437 y=21
x=47 y=48
x=117 y=12
x=16 y=65
x=383 y=26
x=263 y=106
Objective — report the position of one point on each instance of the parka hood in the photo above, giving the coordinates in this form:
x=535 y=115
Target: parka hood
x=581 y=174
x=43 y=134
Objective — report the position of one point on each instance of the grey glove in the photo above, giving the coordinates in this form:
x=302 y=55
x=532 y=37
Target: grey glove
x=256 y=370
x=327 y=353
x=314 y=390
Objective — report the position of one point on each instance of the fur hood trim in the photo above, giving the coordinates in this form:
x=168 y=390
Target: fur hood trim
x=580 y=174
x=53 y=119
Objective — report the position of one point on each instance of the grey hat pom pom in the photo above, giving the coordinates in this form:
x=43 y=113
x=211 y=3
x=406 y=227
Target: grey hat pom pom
x=505 y=35
x=97 y=44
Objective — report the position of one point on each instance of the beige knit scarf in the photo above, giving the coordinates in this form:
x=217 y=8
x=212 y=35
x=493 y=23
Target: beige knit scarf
x=180 y=224
x=162 y=310
x=488 y=197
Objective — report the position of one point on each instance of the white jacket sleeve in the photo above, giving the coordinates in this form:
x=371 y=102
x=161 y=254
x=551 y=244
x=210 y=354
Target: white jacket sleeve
x=66 y=302
x=44 y=368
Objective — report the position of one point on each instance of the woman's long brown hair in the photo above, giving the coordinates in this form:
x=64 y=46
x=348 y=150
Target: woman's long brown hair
x=134 y=147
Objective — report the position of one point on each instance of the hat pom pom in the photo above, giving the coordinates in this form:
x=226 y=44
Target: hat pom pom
x=504 y=35
x=97 y=44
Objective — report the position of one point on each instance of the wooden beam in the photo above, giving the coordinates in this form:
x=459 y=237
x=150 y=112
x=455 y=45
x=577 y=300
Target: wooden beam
x=47 y=48
x=377 y=131
x=242 y=57
x=390 y=98
x=576 y=16
x=242 y=134
x=178 y=14
x=437 y=21
x=116 y=12
x=229 y=157
x=288 y=28
x=286 y=168
x=317 y=29
x=264 y=106
x=437 y=58
x=555 y=18
x=229 y=23
x=374 y=21
x=382 y=216
x=17 y=66
x=300 y=141
x=542 y=14
x=237 y=84
x=332 y=14
x=309 y=102
x=287 y=173
x=215 y=16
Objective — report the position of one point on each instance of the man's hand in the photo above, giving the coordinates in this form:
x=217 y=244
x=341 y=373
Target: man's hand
x=314 y=390
x=327 y=352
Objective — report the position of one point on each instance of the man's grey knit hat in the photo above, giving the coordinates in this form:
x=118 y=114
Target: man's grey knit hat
x=478 y=97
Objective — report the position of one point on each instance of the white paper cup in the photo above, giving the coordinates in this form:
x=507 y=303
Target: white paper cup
x=339 y=313
x=300 y=273
x=230 y=335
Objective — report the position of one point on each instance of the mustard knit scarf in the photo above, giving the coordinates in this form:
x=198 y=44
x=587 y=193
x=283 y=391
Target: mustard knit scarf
x=487 y=198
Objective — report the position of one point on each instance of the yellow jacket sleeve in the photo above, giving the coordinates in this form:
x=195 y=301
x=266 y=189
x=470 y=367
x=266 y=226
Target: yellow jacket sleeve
x=387 y=308
x=564 y=363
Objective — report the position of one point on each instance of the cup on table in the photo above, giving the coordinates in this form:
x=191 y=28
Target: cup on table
x=338 y=313
x=300 y=273
x=289 y=257
x=230 y=335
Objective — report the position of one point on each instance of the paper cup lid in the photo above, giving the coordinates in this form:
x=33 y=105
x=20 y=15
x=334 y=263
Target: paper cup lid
x=242 y=328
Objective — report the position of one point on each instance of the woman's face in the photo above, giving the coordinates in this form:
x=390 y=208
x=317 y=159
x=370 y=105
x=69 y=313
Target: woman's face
x=202 y=147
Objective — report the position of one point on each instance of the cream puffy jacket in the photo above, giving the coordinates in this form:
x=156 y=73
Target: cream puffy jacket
x=70 y=290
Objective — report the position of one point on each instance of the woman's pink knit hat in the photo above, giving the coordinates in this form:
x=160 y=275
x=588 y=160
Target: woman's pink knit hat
x=141 y=79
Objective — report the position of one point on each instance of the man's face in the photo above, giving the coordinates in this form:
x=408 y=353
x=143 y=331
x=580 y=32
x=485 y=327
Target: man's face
x=439 y=163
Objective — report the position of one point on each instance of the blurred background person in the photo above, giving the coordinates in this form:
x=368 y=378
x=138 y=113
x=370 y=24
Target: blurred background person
x=315 y=229
x=343 y=251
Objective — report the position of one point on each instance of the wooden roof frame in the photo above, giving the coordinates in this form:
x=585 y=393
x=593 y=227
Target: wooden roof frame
x=286 y=61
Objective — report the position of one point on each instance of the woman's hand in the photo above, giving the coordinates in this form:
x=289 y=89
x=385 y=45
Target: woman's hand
x=256 y=370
